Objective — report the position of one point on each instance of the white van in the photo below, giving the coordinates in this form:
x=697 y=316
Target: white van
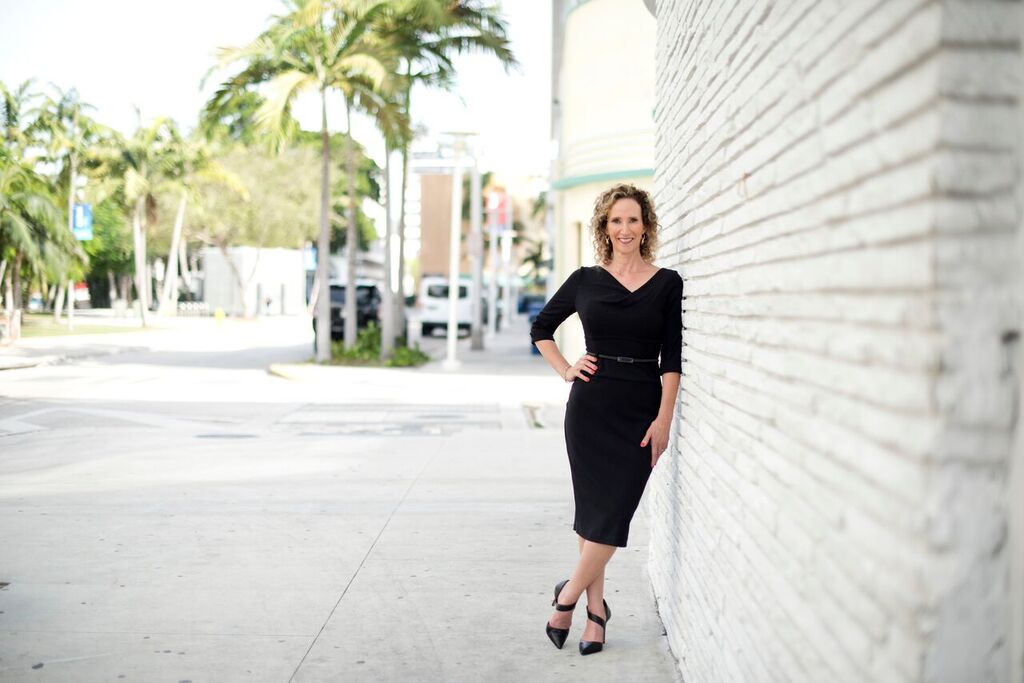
x=433 y=304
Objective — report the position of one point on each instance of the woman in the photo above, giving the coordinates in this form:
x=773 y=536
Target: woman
x=619 y=412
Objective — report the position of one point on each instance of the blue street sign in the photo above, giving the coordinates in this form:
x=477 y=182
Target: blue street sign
x=81 y=222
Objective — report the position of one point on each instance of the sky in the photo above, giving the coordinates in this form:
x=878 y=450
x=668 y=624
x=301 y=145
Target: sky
x=122 y=54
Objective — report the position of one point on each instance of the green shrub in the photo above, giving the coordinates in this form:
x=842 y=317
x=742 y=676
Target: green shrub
x=405 y=357
x=366 y=351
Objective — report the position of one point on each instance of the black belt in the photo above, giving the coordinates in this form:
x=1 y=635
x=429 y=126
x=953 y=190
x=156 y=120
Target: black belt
x=626 y=359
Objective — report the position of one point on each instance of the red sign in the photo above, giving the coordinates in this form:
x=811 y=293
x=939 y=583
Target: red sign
x=497 y=208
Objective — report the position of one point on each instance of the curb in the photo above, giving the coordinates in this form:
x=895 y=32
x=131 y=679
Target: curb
x=65 y=358
x=29 y=363
x=280 y=370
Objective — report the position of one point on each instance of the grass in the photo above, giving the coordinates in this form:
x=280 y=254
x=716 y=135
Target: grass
x=42 y=325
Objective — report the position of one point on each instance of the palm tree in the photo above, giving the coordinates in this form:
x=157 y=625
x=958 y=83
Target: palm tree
x=135 y=170
x=31 y=231
x=190 y=162
x=426 y=35
x=315 y=47
x=15 y=124
x=31 y=228
x=66 y=133
x=393 y=122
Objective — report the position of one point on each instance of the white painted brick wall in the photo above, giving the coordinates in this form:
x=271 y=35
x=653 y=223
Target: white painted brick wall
x=837 y=182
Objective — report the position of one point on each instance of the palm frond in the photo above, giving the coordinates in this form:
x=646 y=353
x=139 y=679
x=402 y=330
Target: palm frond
x=274 y=116
x=363 y=67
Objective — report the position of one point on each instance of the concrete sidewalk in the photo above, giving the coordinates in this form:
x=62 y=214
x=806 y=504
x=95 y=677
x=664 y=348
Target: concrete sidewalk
x=28 y=352
x=302 y=550
x=159 y=334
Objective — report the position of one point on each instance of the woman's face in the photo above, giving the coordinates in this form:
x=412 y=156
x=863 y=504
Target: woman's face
x=625 y=226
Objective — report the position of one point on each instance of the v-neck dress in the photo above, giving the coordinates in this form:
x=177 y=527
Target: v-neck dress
x=607 y=417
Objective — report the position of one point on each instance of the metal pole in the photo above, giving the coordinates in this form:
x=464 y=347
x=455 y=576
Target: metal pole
x=450 y=362
x=507 y=257
x=477 y=254
x=492 y=289
x=387 y=328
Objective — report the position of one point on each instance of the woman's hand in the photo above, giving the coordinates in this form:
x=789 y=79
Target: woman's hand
x=586 y=362
x=657 y=436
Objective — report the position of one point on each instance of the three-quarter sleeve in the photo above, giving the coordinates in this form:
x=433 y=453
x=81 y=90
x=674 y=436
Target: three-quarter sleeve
x=672 y=344
x=557 y=309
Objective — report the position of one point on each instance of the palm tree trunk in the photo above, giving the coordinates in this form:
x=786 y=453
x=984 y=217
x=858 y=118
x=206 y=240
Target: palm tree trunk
x=3 y=284
x=58 y=302
x=387 y=328
x=169 y=300
x=16 y=280
x=8 y=291
x=147 y=270
x=323 y=245
x=140 y=258
x=185 y=265
x=400 y=302
x=71 y=220
x=352 y=239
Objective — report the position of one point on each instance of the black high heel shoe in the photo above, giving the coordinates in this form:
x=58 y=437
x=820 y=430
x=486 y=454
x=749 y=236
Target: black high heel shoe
x=558 y=635
x=589 y=647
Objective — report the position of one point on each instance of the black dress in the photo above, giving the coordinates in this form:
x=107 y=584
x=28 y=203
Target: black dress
x=607 y=417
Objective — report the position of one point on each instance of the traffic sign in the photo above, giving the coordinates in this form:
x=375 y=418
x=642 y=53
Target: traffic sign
x=81 y=223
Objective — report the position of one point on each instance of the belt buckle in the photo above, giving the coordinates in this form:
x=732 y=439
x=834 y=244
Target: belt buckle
x=624 y=359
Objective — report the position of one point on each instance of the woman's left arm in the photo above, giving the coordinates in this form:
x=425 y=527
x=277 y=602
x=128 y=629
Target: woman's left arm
x=657 y=433
x=671 y=370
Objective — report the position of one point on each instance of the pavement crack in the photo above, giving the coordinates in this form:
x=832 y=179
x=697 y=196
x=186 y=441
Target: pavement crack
x=363 y=561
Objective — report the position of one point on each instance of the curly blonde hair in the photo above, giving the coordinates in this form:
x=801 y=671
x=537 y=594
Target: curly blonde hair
x=599 y=222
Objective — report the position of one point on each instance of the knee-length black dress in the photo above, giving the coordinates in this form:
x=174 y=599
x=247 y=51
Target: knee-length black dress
x=607 y=417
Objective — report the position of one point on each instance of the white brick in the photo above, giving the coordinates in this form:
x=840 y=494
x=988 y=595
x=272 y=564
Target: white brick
x=838 y=183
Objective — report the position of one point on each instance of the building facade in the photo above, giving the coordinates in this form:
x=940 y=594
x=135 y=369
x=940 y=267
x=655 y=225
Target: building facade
x=602 y=123
x=840 y=186
x=248 y=281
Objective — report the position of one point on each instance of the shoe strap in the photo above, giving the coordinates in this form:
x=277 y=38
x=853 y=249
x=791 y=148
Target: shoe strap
x=596 y=619
x=563 y=608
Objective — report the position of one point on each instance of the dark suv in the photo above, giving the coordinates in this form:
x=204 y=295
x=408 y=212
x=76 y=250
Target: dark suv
x=368 y=300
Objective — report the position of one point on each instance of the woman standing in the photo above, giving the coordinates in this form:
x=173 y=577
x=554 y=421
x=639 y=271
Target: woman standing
x=620 y=407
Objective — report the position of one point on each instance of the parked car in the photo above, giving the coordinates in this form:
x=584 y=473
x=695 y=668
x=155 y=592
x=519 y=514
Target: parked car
x=528 y=302
x=433 y=304
x=368 y=299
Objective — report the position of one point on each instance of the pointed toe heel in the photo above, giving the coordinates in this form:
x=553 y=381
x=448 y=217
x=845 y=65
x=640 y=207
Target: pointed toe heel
x=589 y=647
x=558 y=636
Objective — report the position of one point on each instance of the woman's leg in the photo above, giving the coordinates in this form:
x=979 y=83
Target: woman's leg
x=595 y=602
x=589 y=572
x=595 y=591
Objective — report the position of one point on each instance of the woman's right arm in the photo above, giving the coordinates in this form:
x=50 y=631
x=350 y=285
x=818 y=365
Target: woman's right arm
x=542 y=333
x=567 y=370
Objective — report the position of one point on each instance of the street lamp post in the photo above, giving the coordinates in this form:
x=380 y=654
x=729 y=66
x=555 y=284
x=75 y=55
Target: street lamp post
x=461 y=159
x=450 y=362
x=476 y=255
x=493 y=207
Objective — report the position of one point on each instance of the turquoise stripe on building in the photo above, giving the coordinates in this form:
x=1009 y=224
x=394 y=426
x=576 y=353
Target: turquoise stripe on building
x=576 y=181
x=572 y=5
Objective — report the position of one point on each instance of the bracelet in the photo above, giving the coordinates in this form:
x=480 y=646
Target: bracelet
x=567 y=369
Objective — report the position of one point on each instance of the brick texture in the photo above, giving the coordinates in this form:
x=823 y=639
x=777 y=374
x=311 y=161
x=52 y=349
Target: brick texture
x=837 y=183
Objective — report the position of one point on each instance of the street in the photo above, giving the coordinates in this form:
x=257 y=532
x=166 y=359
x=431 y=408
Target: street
x=171 y=510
